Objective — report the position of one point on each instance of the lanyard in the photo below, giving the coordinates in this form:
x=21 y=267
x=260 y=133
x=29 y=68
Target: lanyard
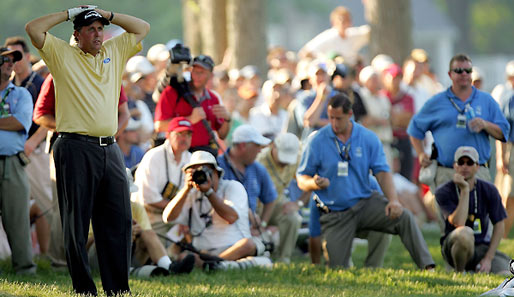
x=461 y=111
x=476 y=198
x=6 y=94
x=346 y=150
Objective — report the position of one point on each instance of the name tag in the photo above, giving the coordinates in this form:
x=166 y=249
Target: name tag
x=342 y=168
x=461 y=121
x=477 y=227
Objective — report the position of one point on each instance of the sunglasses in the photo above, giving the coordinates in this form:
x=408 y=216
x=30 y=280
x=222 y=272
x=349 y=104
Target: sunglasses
x=461 y=70
x=468 y=162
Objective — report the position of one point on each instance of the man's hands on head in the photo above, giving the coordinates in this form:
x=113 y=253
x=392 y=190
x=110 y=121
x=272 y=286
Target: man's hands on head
x=74 y=11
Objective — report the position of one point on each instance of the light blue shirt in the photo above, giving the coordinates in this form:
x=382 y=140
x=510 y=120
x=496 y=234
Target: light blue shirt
x=321 y=156
x=439 y=116
x=20 y=107
x=256 y=180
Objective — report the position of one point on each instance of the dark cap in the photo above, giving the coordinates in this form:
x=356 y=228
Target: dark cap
x=88 y=17
x=204 y=61
x=17 y=54
x=340 y=70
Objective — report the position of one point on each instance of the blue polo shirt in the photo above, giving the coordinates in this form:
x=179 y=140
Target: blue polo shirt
x=20 y=107
x=321 y=156
x=256 y=181
x=315 y=225
x=439 y=116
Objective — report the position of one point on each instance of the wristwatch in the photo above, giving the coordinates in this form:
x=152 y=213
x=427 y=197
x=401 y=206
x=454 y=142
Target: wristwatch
x=264 y=224
x=209 y=192
x=300 y=203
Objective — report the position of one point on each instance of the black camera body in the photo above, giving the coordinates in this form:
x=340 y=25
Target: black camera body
x=3 y=59
x=202 y=174
x=180 y=54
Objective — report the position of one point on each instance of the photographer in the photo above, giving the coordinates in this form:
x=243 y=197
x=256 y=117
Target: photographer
x=171 y=104
x=213 y=211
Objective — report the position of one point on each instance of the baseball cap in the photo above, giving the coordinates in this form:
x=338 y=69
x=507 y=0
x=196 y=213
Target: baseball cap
x=340 y=70
x=16 y=54
x=366 y=73
x=317 y=65
x=381 y=62
x=203 y=157
x=158 y=52
x=204 y=61
x=180 y=124
x=466 y=151
x=88 y=17
x=249 y=71
x=394 y=70
x=138 y=66
x=247 y=133
x=133 y=124
x=288 y=146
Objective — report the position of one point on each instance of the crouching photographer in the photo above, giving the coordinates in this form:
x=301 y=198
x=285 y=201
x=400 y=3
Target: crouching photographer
x=212 y=212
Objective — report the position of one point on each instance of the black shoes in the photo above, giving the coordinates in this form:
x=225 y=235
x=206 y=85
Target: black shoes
x=185 y=265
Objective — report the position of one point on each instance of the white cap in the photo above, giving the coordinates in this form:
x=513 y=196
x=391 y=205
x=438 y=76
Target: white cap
x=249 y=71
x=476 y=74
x=288 y=147
x=466 y=151
x=381 y=62
x=247 y=133
x=138 y=66
x=133 y=124
x=366 y=73
x=509 y=68
x=158 y=52
x=203 y=157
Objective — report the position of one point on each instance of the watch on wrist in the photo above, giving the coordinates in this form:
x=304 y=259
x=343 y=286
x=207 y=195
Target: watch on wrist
x=300 y=203
x=264 y=224
x=209 y=192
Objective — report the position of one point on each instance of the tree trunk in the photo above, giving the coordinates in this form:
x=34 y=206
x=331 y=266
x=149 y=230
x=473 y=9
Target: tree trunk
x=213 y=24
x=246 y=26
x=391 y=28
x=190 y=15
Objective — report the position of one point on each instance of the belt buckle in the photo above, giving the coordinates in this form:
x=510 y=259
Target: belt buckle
x=103 y=140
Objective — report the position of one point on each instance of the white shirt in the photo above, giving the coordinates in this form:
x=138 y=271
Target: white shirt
x=266 y=123
x=378 y=106
x=329 y=41
x=502 y=93
x=220 y=233
x=151 y=176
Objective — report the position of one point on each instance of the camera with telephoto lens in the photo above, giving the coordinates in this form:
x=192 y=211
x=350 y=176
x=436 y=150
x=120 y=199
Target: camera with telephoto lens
x=180 y=54
x=202 y=174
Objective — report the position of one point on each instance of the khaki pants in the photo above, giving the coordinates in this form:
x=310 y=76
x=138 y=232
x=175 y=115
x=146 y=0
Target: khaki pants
x=339 y=228
x=14 y=206
x=288 y=226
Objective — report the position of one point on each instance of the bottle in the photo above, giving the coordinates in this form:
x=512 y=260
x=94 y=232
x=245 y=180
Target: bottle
x=470 y=115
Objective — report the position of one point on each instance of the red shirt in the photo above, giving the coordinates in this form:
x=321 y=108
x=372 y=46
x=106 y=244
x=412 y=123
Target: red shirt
x=45 y=103
x=168 y=108
x=401 y=103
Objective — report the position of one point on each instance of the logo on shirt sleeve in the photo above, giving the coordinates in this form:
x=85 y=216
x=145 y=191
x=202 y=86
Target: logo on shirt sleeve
x=107 y=60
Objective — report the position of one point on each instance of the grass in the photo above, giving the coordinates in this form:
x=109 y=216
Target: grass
x=399 y=277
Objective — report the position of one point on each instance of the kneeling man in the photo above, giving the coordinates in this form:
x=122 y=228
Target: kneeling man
x=467 y=205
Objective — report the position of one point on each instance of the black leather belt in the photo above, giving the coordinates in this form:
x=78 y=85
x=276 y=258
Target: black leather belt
x=3 y=157
x=101 y=140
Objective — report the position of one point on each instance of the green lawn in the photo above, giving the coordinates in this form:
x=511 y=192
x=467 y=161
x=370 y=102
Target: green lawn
x=399 y=277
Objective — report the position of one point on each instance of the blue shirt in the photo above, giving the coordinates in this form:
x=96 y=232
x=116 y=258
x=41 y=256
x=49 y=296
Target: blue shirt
x=321 y=156
x=134 y=157
x=439 y=116
x=20 y=107
x=489 y=206
x=256 y=181
x=508 y=112
x=315 y=225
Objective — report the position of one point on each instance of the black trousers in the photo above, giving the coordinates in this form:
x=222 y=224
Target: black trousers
x=404 y=147
x=92 y=185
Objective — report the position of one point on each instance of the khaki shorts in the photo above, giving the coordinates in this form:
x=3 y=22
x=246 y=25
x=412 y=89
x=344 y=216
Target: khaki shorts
x=500 y=261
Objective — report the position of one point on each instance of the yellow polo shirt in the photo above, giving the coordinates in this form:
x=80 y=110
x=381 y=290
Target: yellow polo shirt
x=87 y=88
x=280 y=176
